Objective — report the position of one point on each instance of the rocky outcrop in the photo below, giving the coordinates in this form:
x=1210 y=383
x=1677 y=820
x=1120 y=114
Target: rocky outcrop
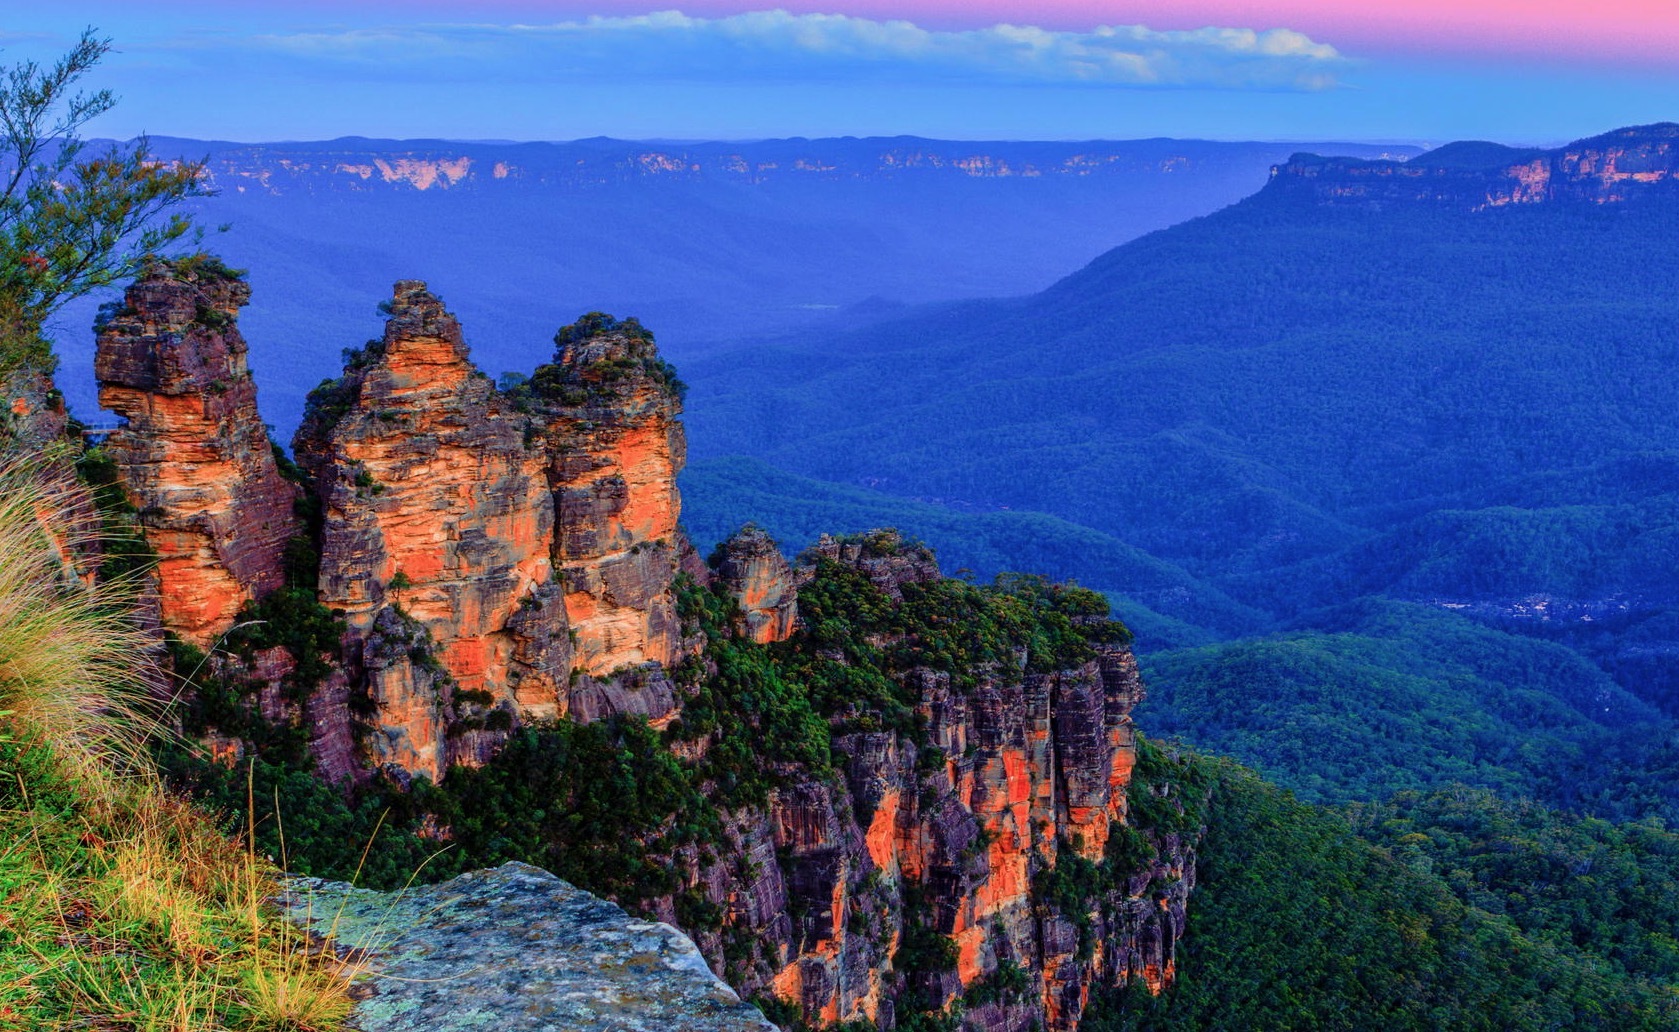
x=957 y=831
x=884 y=557
x=32 y=415
x=609 y=406
x=1633 y=164
x=762 y=584
x=519 y=949
x=953 y=831
x=496 y=556
x=36 y=438
x=194 y=455
x=436 y=540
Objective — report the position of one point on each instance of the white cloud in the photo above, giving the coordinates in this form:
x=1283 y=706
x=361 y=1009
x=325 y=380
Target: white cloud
x=779 y=45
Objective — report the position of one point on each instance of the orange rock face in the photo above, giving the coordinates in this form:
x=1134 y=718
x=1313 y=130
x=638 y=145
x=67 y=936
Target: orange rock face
x=195 y=455
x=610 y=409
x=503 y=555
x=952 y=828
x=762 y=583
x=1032 y=764
x=436 y=510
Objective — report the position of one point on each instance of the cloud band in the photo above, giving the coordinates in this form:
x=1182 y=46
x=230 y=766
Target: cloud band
x=777 y=44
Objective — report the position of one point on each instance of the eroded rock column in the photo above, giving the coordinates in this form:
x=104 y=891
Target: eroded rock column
x=437 y=524
x=615 y=446
x=195 y=456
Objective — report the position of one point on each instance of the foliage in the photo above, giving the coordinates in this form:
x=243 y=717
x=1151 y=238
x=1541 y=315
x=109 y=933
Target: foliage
x=331 y=401
x=599 y=324
x=125 y=904
x=1394 y=697
x=1007 y=983
x=599 y=804
x=945 y=625
x=1578 y=883
x=922 y=955
x=124 y=552
x=1298 y=923
x=73 y=668
x=293 y=619
x=72 y=221
x=569 y=384
x=121 y=903
x=311 y=826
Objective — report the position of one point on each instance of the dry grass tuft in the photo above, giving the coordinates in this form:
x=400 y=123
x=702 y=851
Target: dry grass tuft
x=73 y=666
x=121 y=907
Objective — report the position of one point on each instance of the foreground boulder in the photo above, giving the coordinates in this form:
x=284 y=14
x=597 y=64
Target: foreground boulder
x=517 y=949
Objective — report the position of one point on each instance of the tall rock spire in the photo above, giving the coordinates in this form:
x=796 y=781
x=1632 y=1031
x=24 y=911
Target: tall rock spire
x=195 y=455
x=437 y=539
x=614 y=446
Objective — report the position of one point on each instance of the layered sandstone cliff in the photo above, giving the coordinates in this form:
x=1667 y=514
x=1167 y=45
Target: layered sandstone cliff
x=761 y=583
x=436 y=541
x=954 y=835
x=954 y=829
x=1627 y=165
x=609 y=409
x=194 y=455
x=496 y=556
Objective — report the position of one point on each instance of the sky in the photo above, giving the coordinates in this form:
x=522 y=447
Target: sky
x=1518 y=71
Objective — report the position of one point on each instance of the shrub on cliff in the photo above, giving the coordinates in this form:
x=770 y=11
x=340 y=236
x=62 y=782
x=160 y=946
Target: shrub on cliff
x=72 y=222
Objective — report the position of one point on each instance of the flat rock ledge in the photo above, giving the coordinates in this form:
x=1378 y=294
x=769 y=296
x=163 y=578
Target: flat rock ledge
x=515 y=949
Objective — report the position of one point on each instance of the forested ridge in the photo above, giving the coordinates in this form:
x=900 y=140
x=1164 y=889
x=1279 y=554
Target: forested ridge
x=1389 y=495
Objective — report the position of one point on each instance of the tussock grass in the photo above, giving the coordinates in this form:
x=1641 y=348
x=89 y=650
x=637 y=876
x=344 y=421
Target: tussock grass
x=122 y=909
x=73 y=666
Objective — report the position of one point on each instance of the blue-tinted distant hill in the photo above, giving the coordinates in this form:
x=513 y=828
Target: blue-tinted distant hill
x=704 y=242
x=1450 y=380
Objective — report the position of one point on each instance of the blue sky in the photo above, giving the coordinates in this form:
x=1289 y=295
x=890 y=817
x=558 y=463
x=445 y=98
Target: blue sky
x=1300 y=70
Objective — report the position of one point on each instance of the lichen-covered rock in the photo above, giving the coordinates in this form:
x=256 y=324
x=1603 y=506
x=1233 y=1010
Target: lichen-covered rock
x=762 y=582
x=516 y=949
x=195 y=455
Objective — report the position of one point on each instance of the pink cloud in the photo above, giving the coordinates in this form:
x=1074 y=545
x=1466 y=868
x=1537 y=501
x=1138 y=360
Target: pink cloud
x=1641 y=32
x=1645 y=31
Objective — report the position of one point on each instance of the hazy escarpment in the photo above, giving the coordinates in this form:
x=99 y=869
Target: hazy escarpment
x=1342 y=400
x=1626 y=165
x=798 y=233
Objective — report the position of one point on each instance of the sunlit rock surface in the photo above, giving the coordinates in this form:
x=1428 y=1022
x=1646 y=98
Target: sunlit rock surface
x=615 y=445
x=762 y=583
x=195 y=455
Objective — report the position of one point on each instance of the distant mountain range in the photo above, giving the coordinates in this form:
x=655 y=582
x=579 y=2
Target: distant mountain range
x=704 y=242
x=1448 y=379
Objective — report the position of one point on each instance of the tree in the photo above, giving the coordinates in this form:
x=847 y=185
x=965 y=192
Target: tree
x=72 y=220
